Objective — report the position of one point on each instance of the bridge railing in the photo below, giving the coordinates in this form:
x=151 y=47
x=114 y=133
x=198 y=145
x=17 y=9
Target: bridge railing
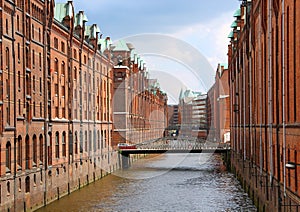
x=183 y=144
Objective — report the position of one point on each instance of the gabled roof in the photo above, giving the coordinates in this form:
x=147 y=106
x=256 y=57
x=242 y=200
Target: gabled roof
x=121 y=46
x=63 y=10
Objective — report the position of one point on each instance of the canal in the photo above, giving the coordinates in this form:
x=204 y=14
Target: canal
x=193 y=182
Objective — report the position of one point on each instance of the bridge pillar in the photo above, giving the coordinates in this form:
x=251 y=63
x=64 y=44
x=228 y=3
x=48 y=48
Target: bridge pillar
x=125 y=160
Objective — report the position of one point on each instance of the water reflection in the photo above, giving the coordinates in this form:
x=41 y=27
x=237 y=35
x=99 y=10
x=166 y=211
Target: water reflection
x=162 y=184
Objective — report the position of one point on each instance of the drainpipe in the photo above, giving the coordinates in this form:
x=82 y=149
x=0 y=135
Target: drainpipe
x=260 y=102
x=283 y=96
x=244 y=103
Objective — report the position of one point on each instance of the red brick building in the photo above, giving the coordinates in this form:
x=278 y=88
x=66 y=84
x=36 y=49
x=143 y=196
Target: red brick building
x=264 y=64
x=56 y=94
x=218 y=107
x=140 y=107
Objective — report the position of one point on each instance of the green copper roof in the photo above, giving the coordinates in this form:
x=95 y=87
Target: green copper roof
x=230 y=34
x=105 y=44
x=91 y=31
x=62 y=10
x=80 y=18
x=234 y=24
x=121 y=46
x=237 y=13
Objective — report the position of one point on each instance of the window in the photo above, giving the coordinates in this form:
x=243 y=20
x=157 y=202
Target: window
x=75 y=73
x=75 y=54
x=56 y=89
x=8 y=156
x=56 y=112
x=41 y=89
x=33 y=83
x=56 y=43
x=27 y=184
x=18 y=23
x=55 y=66
x=85 y=141
x=57 y=145
x=34 y=140
x=41 y=148
x=19 y=151
x=27 y=152
x=6 y=26
x=32 y=31
x=76 y=143
x=63 y=47
x=63 y=90
x=19 y=80
x=19 y=50
x=40 y=61
x=63 y=68
x=40 y=37
x=49 y=148
x=41 y=109
x=63 y=144
x=33 y=58
x=34 y=109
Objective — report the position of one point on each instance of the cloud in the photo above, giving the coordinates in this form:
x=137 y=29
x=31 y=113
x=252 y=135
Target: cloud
x=209 y=37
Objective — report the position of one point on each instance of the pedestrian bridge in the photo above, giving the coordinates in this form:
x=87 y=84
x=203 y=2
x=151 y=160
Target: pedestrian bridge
x=173 y=147
x=174 y=150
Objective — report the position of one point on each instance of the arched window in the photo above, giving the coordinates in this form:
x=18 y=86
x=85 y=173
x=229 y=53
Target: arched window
x=27 y=184
x=8 y=156
x=41 y=148
x=27 y=152
x=63 y=140
x=56 y=145
x=34 y=145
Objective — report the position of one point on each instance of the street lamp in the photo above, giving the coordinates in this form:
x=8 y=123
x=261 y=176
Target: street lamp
x=291 y=165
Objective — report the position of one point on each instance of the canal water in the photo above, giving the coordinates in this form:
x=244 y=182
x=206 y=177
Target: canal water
x=191 y=182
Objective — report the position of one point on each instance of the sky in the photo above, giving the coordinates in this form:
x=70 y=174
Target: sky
x=201 y=25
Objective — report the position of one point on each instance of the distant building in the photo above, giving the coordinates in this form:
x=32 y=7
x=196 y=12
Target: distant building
x=140 y=106
x=192 y=106
x=218 y=107
x=174 y=119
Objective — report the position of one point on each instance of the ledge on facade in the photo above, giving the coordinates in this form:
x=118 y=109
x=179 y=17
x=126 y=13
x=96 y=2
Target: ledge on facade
x=9 y=128
x=20 y=118
x=28 y=97
x=1 y=103
x=27 y=42
x=60 y=120
x=28 y=70
x=126 y=67
x=38 y=119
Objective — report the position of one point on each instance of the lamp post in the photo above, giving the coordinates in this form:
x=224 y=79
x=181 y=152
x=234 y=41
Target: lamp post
x=291 y=165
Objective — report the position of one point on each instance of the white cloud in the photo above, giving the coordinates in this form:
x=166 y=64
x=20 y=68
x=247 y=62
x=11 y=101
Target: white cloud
x=209 y=37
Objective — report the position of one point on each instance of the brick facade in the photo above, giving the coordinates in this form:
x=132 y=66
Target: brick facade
x=264 y=62
x=56 y=103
